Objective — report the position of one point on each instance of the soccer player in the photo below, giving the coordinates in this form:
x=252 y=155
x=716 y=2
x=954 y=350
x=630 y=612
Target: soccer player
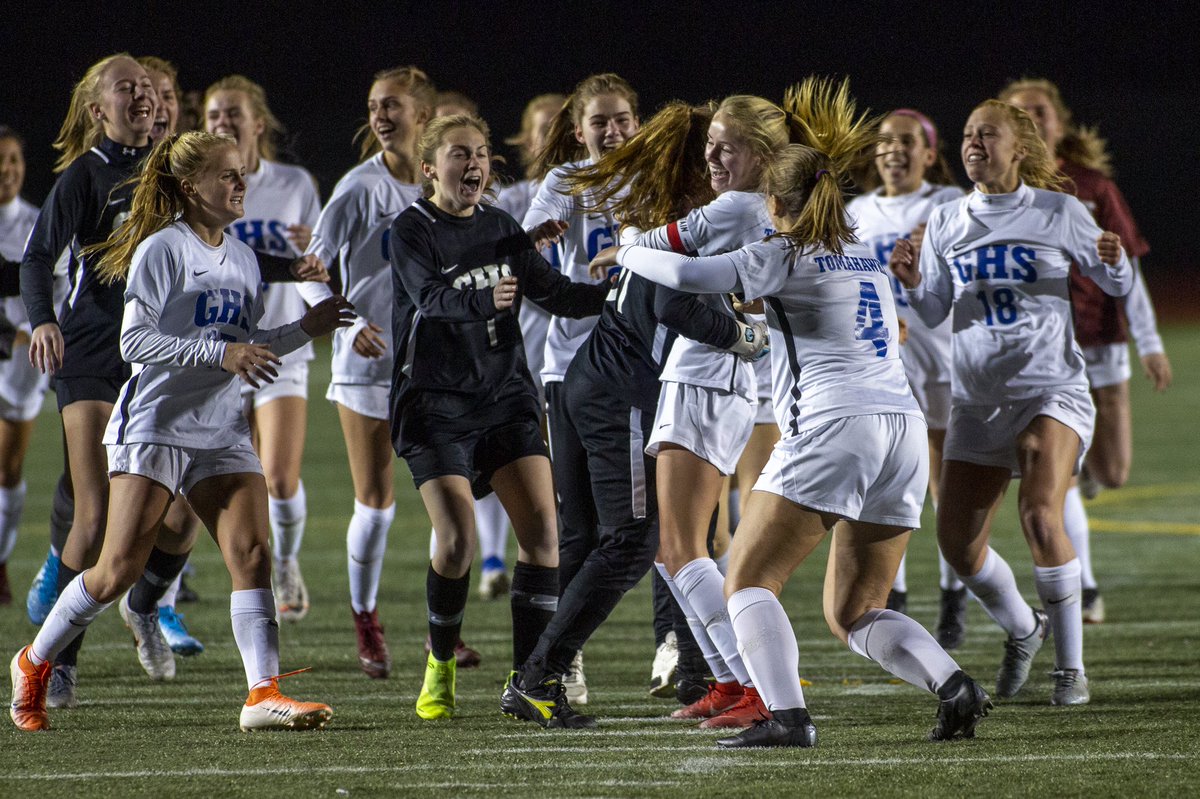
x=853 y=458
x=464 y=412
x=355 y=225
x=1100 y=320
x=999 y=261
x=281 y=208
x=912 y=179
x=192 y=302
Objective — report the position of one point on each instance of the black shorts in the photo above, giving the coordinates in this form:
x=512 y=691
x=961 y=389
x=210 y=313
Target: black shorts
x=81 y=389
x=477 y=455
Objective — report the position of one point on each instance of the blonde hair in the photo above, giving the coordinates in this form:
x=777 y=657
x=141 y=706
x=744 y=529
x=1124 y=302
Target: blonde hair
x=761 y=124
x=450 y=97
x=561 y=145
x=81 y=131
x=272 y=128
x=807 y=179
x=1038 y=168
x=435 y=133
x=158 y=198
x=152 y=63
x=416 y=84
x=524 y=139
x=1080 y=144
x=655 y=177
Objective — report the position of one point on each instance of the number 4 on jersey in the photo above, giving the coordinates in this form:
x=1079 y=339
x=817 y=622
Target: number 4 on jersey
x=869 y=323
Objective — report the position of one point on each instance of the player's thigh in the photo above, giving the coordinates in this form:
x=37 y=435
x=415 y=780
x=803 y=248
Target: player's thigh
x=773 y=538
x=369 y=450
x=281 y=427
x=863 y=559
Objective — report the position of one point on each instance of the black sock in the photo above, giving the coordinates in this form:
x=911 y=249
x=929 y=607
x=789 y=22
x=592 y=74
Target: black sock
x=663 y=620
x=534 y=600
x=62 y=511
x=446 y=598
x=161 y=570
x=70 y=653
x=792 y=717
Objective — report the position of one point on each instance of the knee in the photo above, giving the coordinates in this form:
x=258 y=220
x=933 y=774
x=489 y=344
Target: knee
x=251 y=560
x=107 y=582
x=955 y=552
x=843 y=618
x=1041 y=522
x=1109 y=472
x=454 y=553
x=282 y=486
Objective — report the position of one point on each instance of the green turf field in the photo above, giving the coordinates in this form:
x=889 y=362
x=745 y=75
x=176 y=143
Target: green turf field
x=1138 y=737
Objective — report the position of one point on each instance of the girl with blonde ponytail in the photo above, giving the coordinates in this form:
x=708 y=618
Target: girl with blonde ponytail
x=998 y=260
x=192 y=303
x=1101 y=321
x=853 y=458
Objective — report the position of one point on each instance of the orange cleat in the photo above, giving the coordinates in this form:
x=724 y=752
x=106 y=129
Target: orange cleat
x=267 y=709
x=29 y=684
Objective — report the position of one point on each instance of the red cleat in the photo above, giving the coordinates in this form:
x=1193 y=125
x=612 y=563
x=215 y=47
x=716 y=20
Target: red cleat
x=749 y=709
x=373 y=655
x=720 y=697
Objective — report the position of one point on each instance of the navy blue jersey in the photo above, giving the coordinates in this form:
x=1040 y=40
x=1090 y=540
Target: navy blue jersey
x=88 y=202
x=458 y=363
x=625 y=352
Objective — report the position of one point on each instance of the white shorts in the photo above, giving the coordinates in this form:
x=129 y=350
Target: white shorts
x=364 y=399
x=1107 y=365
x=713 y=424
x=934 y=399
x=22 y=387
x=292 y=382
x=872 y=468
x=987 y=434
x=180 y=468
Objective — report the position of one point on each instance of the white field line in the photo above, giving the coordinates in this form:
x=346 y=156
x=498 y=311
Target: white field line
x=496 y=765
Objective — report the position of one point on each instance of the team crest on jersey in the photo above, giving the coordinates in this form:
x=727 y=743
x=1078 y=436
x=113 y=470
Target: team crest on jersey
x=997 y=262
x=264 y=235
x=222 y=307
x=482 y=277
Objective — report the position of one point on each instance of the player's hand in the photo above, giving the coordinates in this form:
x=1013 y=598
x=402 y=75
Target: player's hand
x=368 y=342
x=46 y=348
x=1158 y=368
x=309 y=268
x=1108 y=247
x=547 y=233
x=299 y=236
x=327 y=316
x=251 y=362
x=752 y=342
x=504 y=294
x=605 y=259
x=917 y=237
x=749 y=306
x=903 y=264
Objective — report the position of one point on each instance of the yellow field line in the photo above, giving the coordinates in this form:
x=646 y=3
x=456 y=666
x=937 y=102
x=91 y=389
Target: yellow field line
x=1127 y=496
x=1121 y=495
x=1126 y=526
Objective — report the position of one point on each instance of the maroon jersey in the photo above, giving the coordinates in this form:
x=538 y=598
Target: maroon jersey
x=1099 y=318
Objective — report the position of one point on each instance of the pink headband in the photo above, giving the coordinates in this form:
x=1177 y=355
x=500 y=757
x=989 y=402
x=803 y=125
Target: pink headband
x=926 y=124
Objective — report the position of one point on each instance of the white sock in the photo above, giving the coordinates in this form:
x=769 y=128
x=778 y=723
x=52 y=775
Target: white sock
x=712 y=656
x=767 y=644
x=1059 y=589
x=996 y=589
x=168 y=598
x=287 y=523
x=366 y=542
x=947 y=579
x=723 y=562
x=1075 y=521
x=12 y=503
x=491 y=525
x=903 y=648
x=900 y=584
x=256 y=633
x=71 y=614
x=703 y=585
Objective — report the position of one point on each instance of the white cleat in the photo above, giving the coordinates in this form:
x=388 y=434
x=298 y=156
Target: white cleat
x=153 y=651
x=662 y=672
x=1070 y=687
x=575 y=682
x=291 y=594
x=267 y=709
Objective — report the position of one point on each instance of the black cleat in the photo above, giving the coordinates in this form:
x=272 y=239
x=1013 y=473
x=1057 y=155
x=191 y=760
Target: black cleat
x=544 y=703
x=952 y=619
x=897 y=601
x=963 y=703
x=794 y=729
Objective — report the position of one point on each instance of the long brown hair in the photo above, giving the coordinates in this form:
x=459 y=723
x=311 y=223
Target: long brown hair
x=416 y=84
x=158 y=198
x=1080 y=144
x=81 y=131
x=561 y=145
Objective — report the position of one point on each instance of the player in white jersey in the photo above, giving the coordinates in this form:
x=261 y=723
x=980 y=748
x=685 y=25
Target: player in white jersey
x=853 y=457
x=355 y=227
x=192 y=306
x=281 y=208
x=998 y=260
x=707 y=407
x=913 y=179
x=600 y=116
x=22 y=386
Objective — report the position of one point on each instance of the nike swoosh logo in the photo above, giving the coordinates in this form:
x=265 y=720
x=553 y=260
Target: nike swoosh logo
x=1058 y=601
x=448 y=269
x=387 y=214
x=960 y=247
x=117 y=201
x=198 y=274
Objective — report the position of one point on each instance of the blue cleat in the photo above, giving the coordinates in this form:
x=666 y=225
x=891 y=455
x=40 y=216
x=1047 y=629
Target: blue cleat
x=175 y=631
x=44 y=591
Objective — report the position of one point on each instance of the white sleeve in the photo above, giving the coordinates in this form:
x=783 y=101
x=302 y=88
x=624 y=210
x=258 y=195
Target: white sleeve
x=934 y=295
x=282 y=340
x=727 y=217
x=552 y=201
x=1143 y=325
x=715 y=273
x=1080 y=233
x=142 y=342
x=334 y=228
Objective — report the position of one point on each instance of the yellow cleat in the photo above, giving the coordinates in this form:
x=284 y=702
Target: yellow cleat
x=437 y=692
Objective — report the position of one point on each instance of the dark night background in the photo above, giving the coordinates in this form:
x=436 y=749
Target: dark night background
x=1131 y=69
